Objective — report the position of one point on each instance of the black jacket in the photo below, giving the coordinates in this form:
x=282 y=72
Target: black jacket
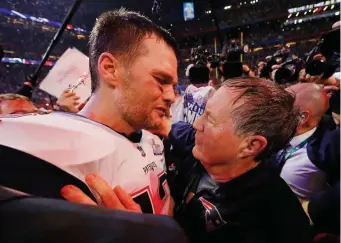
x=257 y=206
x=323 y=149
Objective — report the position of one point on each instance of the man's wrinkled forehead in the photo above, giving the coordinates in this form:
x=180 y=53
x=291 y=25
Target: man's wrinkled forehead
x=223 y=99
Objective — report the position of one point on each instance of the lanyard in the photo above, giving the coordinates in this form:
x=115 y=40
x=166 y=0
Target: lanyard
x=294 y=149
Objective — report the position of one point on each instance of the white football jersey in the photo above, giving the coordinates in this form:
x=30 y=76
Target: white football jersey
x=193 y=104
x=81 y=146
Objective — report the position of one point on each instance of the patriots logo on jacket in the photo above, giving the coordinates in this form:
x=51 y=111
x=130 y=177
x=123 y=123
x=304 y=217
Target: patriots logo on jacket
x=212 y=216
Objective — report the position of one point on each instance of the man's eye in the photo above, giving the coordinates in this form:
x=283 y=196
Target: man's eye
x=160 y=80
x=175 y=88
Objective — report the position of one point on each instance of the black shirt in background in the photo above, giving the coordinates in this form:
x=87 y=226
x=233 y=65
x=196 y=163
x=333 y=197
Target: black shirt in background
x=258 y=206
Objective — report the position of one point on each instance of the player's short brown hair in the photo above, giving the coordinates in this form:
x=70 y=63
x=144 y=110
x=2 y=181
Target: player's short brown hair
x=121 y=32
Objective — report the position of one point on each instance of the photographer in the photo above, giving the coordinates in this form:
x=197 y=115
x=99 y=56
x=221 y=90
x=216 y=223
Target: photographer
x=232 y=67
x=323 y=61
x=193 y=103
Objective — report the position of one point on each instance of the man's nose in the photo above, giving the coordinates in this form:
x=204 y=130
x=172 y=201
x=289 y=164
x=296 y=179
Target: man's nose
x=197 y=125
x=169 y=94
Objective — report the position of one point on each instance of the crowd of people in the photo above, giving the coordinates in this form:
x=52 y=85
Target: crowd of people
x=242 y=155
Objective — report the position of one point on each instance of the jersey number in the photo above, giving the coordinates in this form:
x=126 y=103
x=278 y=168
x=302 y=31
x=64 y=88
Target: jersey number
x=152 y=198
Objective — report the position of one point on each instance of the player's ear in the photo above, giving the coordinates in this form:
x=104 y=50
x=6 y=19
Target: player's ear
x=108 y=67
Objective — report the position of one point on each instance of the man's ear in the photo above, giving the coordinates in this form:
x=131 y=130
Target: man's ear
x=305 y=117
x=108 y=69
x=252 y=146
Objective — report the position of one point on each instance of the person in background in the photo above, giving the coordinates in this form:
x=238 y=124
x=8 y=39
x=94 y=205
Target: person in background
x=323 y=210
x=247 y=72
x=297 y=169
x=192 y=104
x=310 y=164
x=68 y=101
x=16 y=104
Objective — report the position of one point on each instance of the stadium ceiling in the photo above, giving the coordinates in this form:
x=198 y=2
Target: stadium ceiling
x=171 y=10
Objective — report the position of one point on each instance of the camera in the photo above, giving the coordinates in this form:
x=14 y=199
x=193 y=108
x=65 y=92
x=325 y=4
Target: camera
x=324 y=58
x=232 y=51
x=287 y=65
x=200 y=55
x=232 y=67
x=288 y=72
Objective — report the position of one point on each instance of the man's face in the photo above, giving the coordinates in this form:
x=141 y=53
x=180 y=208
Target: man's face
x=16 y=106
x=147 y=90
x=215 y=141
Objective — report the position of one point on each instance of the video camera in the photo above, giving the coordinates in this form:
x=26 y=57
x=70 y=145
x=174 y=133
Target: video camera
x=289 y=71
x=232 y=66
x=198 y=72
x=200 y=55
x=232 y=51
x=325 y=57
x=289 y=66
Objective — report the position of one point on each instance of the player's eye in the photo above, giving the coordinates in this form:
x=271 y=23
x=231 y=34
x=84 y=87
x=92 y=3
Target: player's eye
x=161 y=80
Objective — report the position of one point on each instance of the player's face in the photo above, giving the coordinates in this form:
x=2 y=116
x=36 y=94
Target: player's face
x=148 y=90
x=215 y=141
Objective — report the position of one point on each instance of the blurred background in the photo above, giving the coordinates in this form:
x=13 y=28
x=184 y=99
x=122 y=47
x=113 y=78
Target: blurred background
x=264 y=26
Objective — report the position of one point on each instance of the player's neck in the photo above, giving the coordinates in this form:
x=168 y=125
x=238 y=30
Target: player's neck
x=227 y=172
x=107 y=115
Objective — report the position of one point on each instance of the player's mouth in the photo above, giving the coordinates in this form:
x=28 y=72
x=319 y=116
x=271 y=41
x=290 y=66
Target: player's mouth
x=161 y=110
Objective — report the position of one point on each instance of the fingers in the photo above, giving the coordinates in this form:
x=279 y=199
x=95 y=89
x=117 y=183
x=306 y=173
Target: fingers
x=331 y=88
x=108 y=197
x=67 y=94
x=114 y=199
x=126 y=200
x=75 y=195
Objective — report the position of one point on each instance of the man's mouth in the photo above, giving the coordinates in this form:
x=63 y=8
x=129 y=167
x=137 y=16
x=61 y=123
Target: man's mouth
x=163 y=110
